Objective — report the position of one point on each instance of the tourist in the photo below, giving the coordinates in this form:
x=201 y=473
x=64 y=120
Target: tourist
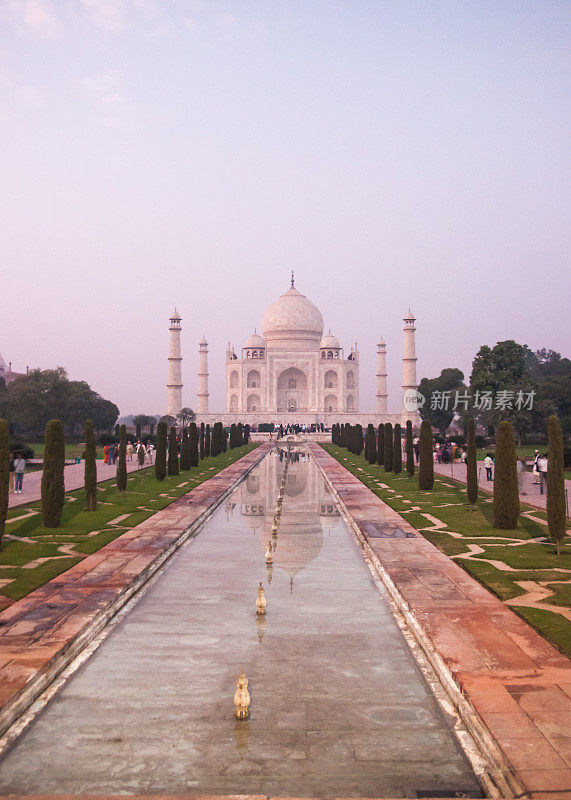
x=150 y=448
x=19 y=469
x=488 y=463
x=535 y=467
x=112 y=453
x=416 y=448
x=542 y=467
x=129 y=451
x=12 y=474
x=106 y=454
x=520 y=466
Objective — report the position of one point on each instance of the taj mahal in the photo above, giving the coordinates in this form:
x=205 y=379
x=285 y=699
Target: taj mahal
x=291 y=372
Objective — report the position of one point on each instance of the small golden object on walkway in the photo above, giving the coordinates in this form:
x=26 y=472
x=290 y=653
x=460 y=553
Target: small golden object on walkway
x=261 y=601
x=269 y=559
x=242 y=697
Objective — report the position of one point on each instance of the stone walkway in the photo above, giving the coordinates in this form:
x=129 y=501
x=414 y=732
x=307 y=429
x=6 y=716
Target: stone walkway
x=519 y=685
x=43 y=632
x=529 y=493
x=73 y=477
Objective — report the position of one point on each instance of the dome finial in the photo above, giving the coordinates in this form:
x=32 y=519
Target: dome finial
x=292 y=279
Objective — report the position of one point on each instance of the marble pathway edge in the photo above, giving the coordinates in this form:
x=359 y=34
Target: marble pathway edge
x=42 y=633
x=517 y=683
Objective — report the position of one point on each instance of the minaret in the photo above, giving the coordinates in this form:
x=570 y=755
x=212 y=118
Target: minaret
x=174 y=386
x=382 y=393
x=202 y=377
x=408 y=356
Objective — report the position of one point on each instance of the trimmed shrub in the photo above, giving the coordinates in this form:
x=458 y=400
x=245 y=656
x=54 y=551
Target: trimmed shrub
x=409 y=450
x=53 y=488
x=185 y=460
x=555 y=483
x=371 y=444
x=193 y=442
x=172 y=463
x=381 y=445
x=397 y=449
x=426 y=466
x=506 y=494
x=122 y=460
x=161 y=456
x=471 y=463
x=4 y=473
x=90 y=466
x=388 y=447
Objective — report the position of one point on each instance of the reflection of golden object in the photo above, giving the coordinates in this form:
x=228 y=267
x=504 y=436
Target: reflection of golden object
x=261 y=601
x=269 y=572
x=242 y=735
x=269 y=559
x=242 y=697
x=261 y=623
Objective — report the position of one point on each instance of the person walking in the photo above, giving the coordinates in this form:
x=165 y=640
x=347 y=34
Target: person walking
x=521 y=475
x=488 y=463
x=106 y=454
x=12 y=474
x=19 y=469
x=416 y=448
x=542 y=467
x=535 y=467
x=112 y=453
x=129 y=451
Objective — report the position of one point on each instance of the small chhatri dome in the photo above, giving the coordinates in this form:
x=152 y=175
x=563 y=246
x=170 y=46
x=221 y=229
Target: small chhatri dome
x=330 y=341
x=410 y=315
x=292 y=317
x=203 y=340
x=175 y=315
x=255 y=340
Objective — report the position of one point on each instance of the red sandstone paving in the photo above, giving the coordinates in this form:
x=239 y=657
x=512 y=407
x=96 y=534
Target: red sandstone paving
x=519 y=684
x=42 y=625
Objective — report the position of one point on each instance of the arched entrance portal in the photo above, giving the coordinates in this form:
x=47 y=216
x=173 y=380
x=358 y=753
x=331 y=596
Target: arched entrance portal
x=293 y=394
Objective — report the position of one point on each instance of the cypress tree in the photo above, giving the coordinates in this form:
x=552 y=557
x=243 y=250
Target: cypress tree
x=388 y=447
x=506 y=493
x=239 y=434
x=233 y=443
x=201 y=441
x=185 y=451
x=426 y=466
x=371 y=445
x=90 y=466
x=381 y=445
x=122 y=460
x=4 y=473
x=53 y=488
x=409 y=450
x=172 y=464
x=555 y=483
x=161 y=456
x=193 y=442
x=141 y=456
x=397 y=449
x=138 y=430
x=246 y=434
x=358 y=439
x=224 y=433
x=207 y=442
x=216 y=445
x=471 y=463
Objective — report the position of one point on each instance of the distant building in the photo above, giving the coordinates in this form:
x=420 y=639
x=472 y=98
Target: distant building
x=7 y=373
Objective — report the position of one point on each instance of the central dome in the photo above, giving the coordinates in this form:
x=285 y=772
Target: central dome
x=292 y=318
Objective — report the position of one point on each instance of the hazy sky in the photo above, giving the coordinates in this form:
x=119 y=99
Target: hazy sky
x=184 y=153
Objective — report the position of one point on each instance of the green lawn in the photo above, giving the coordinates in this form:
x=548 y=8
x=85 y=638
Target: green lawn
x=83 y=532
x=535 y=561
x=71 y=450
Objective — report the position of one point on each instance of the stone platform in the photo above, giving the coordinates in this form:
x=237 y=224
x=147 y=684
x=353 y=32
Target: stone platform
x=517 y=683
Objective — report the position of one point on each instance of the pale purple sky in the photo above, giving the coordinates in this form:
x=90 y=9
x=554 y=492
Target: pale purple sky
x=184 y=153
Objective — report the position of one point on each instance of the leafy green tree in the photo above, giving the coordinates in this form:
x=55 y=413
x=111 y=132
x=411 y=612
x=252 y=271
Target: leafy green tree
x=440 y=396
x=409 y=450
x=122 y=461
x=370 y=444
x=388 y=447
x=4 y=474
x=397 y=449
x=185 y=451
x=185 y=416
x=471 y=463
x=506 y=493
x=172 y=463
x=161 y=456
x=555 y=483
x=426 y=466
x=381 y=445
x=90 y=466
x=53 y=489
